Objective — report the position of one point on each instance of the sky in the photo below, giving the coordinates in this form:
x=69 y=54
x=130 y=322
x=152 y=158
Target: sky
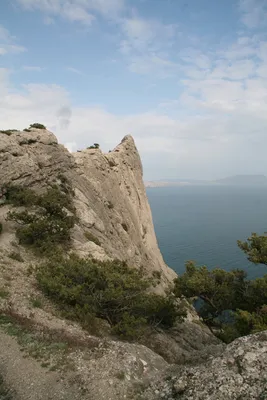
x=186 y=78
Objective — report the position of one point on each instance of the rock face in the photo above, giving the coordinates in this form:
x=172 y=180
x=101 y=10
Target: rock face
x=240 y=372
x=110 y=196
x=111 y=200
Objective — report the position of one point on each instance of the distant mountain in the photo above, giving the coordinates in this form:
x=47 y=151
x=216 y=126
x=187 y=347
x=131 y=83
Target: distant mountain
x=243 y=180
x=177 y=182
x=236 y=180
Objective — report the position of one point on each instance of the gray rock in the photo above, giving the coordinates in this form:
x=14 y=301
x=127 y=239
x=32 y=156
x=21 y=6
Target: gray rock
x=240 y=372
x=110 y=196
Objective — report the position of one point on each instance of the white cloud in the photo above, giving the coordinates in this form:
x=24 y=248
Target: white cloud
x=152 y=64
x=8 y=43
x=76 y=13
x=216 y=126
x=74 y=10
x=71 y=146
x=48 y=20
x=141 y=33
x=4 y=78
x=254 y=13
x=169 y=146
x=74 y=70
x=145 y=44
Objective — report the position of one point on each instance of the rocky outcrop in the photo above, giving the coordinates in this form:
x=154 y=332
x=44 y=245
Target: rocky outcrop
x=111 y=199
x=110 y=196
x=238 y=373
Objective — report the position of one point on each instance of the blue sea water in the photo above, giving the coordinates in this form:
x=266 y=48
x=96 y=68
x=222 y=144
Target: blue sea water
x=203 y=223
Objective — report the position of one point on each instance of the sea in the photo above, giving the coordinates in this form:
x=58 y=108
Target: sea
x=203 y=223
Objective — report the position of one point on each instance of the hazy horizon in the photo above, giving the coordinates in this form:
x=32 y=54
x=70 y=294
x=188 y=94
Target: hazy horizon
x=206 y=180
x=187 y=79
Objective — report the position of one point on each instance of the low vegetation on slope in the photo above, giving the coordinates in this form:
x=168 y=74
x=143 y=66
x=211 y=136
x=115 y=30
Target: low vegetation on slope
x=46 y=220
x=87 y=288
x=230 y=304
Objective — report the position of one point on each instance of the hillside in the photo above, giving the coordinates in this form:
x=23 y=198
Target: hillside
x=53 y=204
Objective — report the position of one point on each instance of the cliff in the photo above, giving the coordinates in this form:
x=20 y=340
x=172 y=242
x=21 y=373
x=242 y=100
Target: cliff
x=43 y=355
x=110 y=196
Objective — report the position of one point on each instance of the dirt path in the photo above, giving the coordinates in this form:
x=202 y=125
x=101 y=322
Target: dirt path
x=28 y=379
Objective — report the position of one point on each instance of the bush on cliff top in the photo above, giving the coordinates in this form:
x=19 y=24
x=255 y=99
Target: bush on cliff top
x=87 y=288
x=36 y=125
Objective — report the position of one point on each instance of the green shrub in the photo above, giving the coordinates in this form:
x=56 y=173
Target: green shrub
x=95 y=146
x=244 y=323
x=87 y=288
x=92 y=238
x=26 y=130
x=255 y=247
x=36 y=302
x=130 y=327
x=20 y=196
x=8 y=132
x=48 y=223
x=36 y=125
x=43 y=232
x=230 y=304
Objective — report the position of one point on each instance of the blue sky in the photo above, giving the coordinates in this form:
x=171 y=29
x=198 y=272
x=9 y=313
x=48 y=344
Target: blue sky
x=187 y=78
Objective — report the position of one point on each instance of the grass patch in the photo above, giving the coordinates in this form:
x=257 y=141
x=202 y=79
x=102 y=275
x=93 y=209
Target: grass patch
x=15 y=256
x=37 y=345
x=89 y=236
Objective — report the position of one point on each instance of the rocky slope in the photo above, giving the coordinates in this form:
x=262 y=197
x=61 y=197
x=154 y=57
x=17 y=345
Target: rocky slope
x=239 y=373
x=111 y=204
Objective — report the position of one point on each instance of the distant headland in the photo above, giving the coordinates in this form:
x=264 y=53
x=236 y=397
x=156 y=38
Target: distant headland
x=236 y=180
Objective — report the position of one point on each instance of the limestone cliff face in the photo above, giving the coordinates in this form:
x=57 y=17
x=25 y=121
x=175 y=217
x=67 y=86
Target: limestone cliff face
x=110 y=196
